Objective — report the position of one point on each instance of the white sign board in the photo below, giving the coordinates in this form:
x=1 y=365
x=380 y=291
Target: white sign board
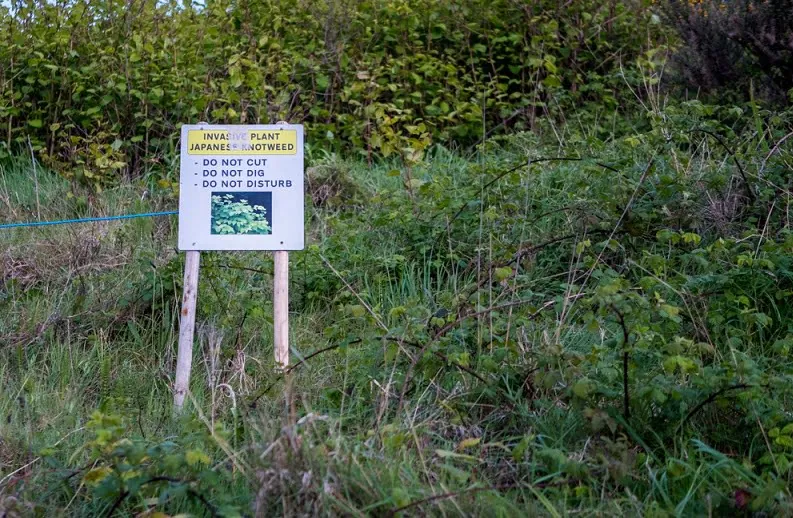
x=241 y=187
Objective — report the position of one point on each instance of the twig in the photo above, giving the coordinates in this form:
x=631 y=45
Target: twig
x=35 y=179
x=711 y=399
x=10 y=475
x=315 y=353
x=523 y=250
x=117 y=503
x=452 y=494
x=441 y=356
x=718 y=139
x=520 y=166
x=773 y=150
x=192 y=492
x=626 y=400
x=243 y=268
x=252 y=403
x=368 y=308
x=492 y=130
x=238 y=341
x=445 y=329
x=625 y=211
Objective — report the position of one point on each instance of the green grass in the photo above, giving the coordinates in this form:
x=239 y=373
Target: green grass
x=515 y=405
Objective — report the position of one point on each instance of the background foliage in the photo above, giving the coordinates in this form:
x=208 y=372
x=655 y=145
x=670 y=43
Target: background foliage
x=743 y=47
x=98 y=88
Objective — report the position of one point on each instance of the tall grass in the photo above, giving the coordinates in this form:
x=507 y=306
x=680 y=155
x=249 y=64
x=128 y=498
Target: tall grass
x=447 y=364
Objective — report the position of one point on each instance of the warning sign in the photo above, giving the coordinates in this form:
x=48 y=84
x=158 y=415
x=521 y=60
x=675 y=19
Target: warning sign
x=241 y=187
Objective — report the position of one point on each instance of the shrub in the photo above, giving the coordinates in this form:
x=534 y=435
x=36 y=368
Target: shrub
x=735 y=45
x=127 y=473
x=100 y=90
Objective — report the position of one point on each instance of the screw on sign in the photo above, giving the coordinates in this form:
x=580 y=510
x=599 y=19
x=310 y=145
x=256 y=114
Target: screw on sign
x=241 y=188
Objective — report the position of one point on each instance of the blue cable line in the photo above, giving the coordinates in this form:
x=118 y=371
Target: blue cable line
x=86 y=220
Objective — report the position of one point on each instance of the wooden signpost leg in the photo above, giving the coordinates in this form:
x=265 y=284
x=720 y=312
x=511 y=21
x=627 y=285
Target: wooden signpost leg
x=184 y=355
x=281 y=308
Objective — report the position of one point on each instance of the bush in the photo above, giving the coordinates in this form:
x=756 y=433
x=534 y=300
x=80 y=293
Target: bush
x=100 y=90
x=735 y=45
x=127 y=473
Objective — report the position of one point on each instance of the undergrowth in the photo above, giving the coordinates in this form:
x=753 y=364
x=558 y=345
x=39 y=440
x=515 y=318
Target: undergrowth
x=577 y=326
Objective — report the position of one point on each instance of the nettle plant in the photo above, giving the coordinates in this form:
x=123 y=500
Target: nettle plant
x=129 y=474
x=238 y=217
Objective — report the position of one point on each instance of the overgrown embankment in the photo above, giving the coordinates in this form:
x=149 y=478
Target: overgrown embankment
x=548 y=327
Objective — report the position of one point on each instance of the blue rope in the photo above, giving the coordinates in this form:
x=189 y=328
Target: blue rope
x=85 y=220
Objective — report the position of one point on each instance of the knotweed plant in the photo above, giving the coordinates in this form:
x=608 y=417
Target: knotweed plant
x=231 y=216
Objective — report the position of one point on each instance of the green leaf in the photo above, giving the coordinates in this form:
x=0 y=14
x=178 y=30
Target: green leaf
x=784 y=440
x=583 y=387
x=552 y=82
x=520 y=449
x=670 y=364
x=357 y=310
x=503 y=274
x=459 y=475
x=400 y=497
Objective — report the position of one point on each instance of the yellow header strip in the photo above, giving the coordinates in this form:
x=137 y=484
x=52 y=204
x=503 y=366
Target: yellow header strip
x=249 y=142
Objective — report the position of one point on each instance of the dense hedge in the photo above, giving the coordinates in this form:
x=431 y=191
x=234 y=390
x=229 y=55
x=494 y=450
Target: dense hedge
x=99 y=87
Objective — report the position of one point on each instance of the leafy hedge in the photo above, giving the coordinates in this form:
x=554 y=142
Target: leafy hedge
x=99 y=88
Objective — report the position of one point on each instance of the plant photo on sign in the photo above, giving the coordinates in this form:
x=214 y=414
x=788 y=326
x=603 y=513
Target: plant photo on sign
x=242 y=213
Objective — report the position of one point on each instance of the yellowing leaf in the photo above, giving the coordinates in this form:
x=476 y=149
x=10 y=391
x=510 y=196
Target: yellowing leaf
x=194 y=457
x=468 y=443
x=446 y=454
x=357 y=310
x=96 y=475
x=127 y=475
x=415 y=183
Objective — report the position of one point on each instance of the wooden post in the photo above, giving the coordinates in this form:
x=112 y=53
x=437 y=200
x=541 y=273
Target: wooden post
x=184 y=355
x=281 y=308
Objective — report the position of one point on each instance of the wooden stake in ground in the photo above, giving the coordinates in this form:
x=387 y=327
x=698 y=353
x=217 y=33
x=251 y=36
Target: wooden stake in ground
x=281 y=308
x=184 y=355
